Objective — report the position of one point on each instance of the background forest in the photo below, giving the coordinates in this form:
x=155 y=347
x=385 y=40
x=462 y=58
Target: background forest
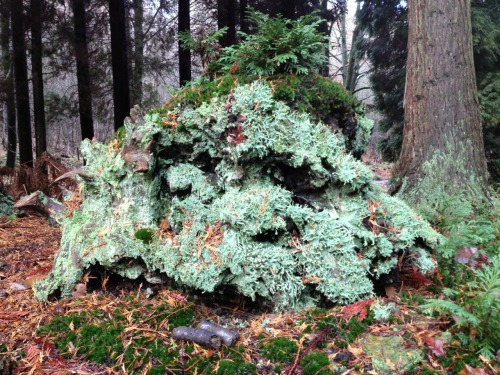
x=257 y=164
x=73 y=76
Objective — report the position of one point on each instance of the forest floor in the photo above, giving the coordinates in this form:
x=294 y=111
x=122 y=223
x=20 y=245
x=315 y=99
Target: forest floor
x=115 y=326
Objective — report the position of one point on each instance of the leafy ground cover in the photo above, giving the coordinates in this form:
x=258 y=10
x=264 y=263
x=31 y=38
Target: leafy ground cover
x=114 y=326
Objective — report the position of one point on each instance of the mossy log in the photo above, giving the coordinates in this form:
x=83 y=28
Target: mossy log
x=239 y=192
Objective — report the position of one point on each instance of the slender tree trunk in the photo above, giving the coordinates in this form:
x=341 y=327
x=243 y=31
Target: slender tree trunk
x=119 y=62
x=37 y=77
x=138 y=72
x=287 y=8
x=226 y=17
x=442 y=147
x=10 y=104
x=21 y=82
x=243 y=15
x=82 y=70
x=184 y=53
x=355 y=55
x=343 y=46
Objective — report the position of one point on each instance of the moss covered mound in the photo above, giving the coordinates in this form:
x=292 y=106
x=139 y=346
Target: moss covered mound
x=321 y=98
x=240 y=191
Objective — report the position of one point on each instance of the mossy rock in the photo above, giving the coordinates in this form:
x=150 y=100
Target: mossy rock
x=391 y=355
x=240 y=192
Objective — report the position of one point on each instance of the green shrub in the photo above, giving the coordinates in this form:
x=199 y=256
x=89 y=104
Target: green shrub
x=474 y=307
x=279 y=46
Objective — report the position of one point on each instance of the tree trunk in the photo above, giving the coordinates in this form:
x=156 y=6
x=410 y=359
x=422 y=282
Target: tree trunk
x=243 y=15
x=37 y=77
x=184 y=53
x=343 y=45
x=82 y=70
x=442 y=149
x=138 y=72
x=119 y=62
x=226 y=17
x=10 y=104
x=21 y=82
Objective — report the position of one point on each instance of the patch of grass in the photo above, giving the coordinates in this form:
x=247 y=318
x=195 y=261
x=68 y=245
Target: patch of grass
x=279 y=350
x=353 y=328
x=100 y=343
x=316 y=363
x=228 y=367
x=182 y=317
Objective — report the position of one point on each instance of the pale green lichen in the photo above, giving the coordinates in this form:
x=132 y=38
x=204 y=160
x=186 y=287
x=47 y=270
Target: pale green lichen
x=254 y=196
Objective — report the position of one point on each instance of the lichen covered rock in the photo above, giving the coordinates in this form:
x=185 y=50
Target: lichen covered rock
x=240 y=192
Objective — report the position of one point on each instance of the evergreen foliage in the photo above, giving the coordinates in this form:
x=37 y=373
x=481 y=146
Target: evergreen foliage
x=287 y=53
x=279 y=46
x=6 y=203
x=475 y=308
x=242 y=192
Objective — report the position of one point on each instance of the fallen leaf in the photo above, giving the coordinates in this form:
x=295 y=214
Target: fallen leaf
x=358 y=308
x=435 y=345
x=470 y=256
x=18 y=286
x=468 y=370
x=355 y=351
x=390 y=291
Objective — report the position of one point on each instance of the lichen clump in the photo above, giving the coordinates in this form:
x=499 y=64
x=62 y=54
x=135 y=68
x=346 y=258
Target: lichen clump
x=243 y=192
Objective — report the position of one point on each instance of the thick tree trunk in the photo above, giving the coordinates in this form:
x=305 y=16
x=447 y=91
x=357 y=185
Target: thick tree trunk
x=442 y=142
x=10 y=104
x=82 y=70
x=37 y=77
x=184 y=53
x=21 y=81
x=119 y=62
x=226 y=17
x=138 y=72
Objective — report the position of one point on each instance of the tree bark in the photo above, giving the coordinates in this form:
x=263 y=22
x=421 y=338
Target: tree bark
x=184 y=53
x=119 y=62
x=138 y=72
x=10 y=104
x=442 y=139
x=243 y=15
x=226 y=17
x=83 y=70
x=37 y=77
x=21 y=83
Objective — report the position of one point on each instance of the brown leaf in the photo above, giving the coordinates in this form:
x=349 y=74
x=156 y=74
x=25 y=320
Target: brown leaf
x=390 y=291
x=471 y=257
x=435 y=345
x=355 y=351
x=358 y=308
x=474 y=371
x=464 y=254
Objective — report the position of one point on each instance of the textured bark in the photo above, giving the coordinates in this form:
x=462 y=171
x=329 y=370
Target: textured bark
x=441 y=105
x=226 y=17
x=10 y=104
x=82 y=70
x=184 y=53
x=119 y=62
x=21 y=81
x=138 y=71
